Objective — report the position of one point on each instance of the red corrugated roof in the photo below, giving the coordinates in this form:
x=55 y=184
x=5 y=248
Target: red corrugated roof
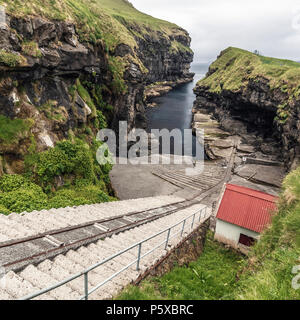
x=247 y=208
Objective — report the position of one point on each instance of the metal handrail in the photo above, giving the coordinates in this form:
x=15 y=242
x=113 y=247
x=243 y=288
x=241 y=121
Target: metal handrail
x=137 y=261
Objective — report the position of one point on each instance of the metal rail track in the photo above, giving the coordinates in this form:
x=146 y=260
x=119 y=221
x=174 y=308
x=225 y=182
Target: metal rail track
x=181 y=180
x=15 y=255
x=204 y=190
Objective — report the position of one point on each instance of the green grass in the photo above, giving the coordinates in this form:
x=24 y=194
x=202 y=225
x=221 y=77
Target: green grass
x=212 y=276
x=223 y=274
x=31 y=48
x=120 y=11
x=269 y=275
x=177 y=46
x=11 y=130
x=86 y=97
x=10 y=59
x=111 y=21
x=54 y=112
x=236 y=67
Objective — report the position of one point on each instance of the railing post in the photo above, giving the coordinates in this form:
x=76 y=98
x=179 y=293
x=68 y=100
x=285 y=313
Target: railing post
x=193 y=221
x=200 y=215
x=183 y=227
x=86 y=286
x=168 y=237
x=139 y=245
x=139 y=257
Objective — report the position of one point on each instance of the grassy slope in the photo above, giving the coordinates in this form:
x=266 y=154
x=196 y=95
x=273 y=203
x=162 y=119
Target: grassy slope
x=100 y=20
x=234 y=68
x=269 y=274
x=212 y=276
x=12 y=130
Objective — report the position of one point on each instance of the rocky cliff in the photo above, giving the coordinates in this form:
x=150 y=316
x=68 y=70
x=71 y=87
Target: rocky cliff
x=68 y=69
x=256 y=98
x=68 y=66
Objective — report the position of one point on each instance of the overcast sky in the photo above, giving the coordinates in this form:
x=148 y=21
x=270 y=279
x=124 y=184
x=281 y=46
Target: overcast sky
x=270 y=26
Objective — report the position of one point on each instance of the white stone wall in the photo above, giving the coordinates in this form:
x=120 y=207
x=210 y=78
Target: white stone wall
x=230 y=234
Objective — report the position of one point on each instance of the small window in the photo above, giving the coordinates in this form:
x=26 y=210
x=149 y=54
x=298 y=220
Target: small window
x=246 y=240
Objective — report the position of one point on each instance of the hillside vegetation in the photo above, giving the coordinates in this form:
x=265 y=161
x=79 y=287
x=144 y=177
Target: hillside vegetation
x=269 y=274
x=71 y=163
x=63 y=79
x=96 y=19
x=112 y=21
x=221 y=274
x=211 y=277
x=235 y=67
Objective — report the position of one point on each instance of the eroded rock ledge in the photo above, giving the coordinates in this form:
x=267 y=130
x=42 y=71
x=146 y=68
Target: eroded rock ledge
x=262 y=110
x=159 y=89
x=55 y=82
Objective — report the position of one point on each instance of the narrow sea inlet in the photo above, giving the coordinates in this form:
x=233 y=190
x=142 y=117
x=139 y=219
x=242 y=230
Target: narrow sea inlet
x=174 y=110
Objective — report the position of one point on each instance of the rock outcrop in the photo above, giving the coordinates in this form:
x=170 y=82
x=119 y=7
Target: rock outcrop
x=255 y=98
x=60 y=85
x=166 y=68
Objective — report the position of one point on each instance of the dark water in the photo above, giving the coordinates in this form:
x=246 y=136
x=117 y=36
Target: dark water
x=174 y=110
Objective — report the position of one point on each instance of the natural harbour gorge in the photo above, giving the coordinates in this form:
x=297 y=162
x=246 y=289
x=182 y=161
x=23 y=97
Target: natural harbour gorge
x=71 y=68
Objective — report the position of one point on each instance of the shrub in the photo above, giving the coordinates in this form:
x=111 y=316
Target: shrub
x=94 y=194
x=100 y=121
x=84 y=94
x=65 y=198
x=12 y=182
x=4 y=210
x=24 y=199
x=46 y=165
x=85 y=181
x=11 y=130
x=109 y=107
x=82 y=194
x=117 y=68
x=19 y=194
x=88 y=131
x=80 y=159
x=65 y=158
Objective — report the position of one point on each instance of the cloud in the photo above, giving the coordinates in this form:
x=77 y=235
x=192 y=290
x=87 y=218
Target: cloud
x=270 y=26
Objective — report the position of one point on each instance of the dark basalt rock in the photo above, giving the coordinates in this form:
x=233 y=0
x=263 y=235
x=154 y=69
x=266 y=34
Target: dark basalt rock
x=44 y=31
x=251 y=113
x=122 y=49
x=45 y=79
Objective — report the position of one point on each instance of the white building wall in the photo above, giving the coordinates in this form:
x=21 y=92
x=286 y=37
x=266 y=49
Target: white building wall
x=230 y=234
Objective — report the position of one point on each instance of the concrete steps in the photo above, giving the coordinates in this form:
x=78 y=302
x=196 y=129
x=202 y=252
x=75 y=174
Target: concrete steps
x=17 y=226
x=41 y=280
x=49 y=272
x=16 y=286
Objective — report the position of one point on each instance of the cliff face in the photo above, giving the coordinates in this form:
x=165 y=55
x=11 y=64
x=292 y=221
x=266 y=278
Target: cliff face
x=167 y=62
x=65 y=76
x=256 y=98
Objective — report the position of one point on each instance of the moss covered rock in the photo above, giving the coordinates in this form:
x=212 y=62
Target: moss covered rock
x=256 y=97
